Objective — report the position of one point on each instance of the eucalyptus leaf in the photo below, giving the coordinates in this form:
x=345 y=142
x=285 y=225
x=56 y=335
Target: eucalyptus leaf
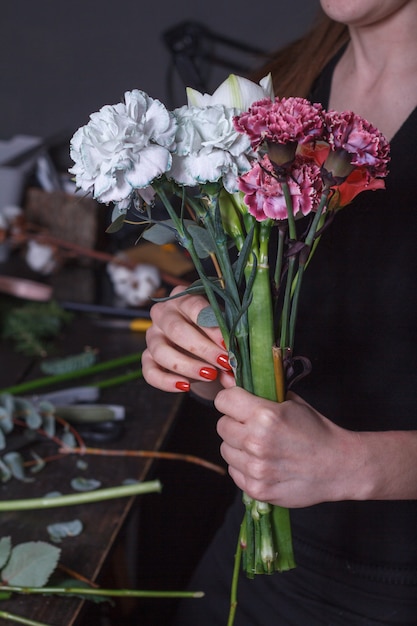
x=202 y=240
x=161 y=233
x=5 y=549
x=49 y=424
x=85 y=484
x=61 y=530
x=68 y=439
x=29 y=413
x=5 y=472
x=30 y=564
x=6 y=419
x=39 y=463
x=14 y=462
x=2 y=440
x=117 y=224
x=207 y=318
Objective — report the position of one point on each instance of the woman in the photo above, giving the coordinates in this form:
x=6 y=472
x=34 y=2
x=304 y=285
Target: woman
x=342 y=452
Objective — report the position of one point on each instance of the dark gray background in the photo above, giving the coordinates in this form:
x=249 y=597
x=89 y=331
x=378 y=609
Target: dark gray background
x=60 y=61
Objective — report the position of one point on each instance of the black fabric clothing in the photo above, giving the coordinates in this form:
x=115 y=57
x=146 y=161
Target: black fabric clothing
x=356 y=561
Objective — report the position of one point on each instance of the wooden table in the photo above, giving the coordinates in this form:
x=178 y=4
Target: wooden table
x=149 y=417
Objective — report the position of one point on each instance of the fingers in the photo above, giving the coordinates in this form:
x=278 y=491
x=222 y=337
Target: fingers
x=179 y=351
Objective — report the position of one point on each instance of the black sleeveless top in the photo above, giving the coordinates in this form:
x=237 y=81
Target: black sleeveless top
x=358 y=326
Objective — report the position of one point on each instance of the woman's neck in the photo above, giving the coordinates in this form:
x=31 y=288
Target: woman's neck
x=377 y=75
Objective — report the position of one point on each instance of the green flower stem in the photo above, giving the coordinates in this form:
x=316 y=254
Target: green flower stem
x=187 y=241
x=283 y=539
x=290 y=211
x=261 y=326
x=280 y=257
x=111 y=593
x=81 y=498
x=286 y=307
x=30 y=385
x=11 y=617
x=304 y=258
x=208 y=216
x=235 y=578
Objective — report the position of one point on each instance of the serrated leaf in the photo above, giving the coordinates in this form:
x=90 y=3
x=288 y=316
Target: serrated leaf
x=70 y=583
x=5 y=549
x=85 y=484
x=61 y=530
x=31 y=564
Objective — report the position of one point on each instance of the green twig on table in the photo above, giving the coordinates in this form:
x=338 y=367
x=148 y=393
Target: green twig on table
x=17 y=619
x=97 y=591
x=30 y=385
x=98 y=495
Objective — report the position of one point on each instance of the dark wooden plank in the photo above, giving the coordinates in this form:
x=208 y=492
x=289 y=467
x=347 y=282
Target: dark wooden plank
x=149 y=417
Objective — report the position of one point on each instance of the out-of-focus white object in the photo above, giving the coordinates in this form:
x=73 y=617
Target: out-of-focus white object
x=40 y=257
x=9 y=218
x=134 y=286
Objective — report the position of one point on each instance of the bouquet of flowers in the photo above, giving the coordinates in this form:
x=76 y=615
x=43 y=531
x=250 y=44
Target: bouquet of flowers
x=229 y=168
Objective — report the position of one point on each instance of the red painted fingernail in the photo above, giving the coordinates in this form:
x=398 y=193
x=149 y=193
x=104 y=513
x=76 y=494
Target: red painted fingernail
x=223 y=344
x=182 y=385
x=223 y=361
x=208 y=372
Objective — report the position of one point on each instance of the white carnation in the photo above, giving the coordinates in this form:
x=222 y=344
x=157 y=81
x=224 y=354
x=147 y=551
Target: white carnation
x=208 y=148
x=124 y=147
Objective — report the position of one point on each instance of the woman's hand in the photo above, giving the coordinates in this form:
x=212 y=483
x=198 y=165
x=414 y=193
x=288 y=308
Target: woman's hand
x=180 y=353
x=288 y=454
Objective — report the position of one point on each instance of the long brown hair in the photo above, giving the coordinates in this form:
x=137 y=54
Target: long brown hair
x=295 y=67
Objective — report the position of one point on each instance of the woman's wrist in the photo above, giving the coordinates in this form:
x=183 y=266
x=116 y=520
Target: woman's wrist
x=385 y=466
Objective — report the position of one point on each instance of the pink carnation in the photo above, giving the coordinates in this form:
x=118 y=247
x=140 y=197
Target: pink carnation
x=264 y=195
x=363 y=141
x=289 y=120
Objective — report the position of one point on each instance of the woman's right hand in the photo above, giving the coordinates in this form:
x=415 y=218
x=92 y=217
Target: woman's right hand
x=180 y=353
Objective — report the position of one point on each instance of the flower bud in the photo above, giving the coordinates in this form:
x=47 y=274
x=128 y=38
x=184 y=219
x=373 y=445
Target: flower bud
x=337 y=166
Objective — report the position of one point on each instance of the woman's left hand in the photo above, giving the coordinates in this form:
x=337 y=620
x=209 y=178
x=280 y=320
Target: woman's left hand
x=288 y=453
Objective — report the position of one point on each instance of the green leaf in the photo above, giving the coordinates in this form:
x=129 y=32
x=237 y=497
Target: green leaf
x=30 y=564
x=68 y=439
x=5 y=473
x=85 y=484
x=161 y=233
x=6 y=418
x=2 y=440
x=39 y=463
x=117 y=224
x=196 y=288
x=61 y=530
x=14 y=462
x=202 y=240
x=29 y=413
x=244 y=256
x=5 y=549
x=207 y=318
